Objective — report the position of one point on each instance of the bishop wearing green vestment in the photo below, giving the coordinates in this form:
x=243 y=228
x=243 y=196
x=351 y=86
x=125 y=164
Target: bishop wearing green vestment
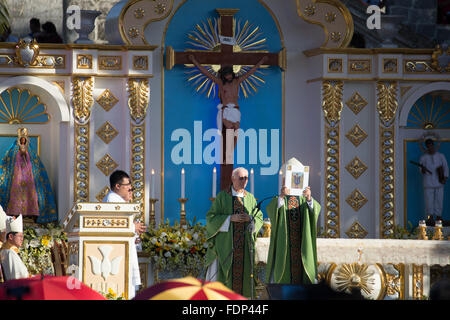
x=292 y=257
x=231 y=231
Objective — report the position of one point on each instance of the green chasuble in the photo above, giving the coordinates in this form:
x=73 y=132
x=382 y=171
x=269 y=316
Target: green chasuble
x=231 y=248
x=292 y=257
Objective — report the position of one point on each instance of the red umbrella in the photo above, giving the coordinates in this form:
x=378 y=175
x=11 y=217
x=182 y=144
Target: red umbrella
x=47 y=288
x=188 y=288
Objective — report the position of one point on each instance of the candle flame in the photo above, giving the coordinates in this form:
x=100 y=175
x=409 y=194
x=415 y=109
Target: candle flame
x=182 y=171
x=214 y=170
x=281 y=172
x=251 y=171
x=153 y=171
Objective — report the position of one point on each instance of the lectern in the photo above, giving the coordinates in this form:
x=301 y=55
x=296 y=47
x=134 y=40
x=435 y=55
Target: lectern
x=100 y=236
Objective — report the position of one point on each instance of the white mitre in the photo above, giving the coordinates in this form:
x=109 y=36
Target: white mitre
x=14 y=225
x=3 y=218
x=294 y=162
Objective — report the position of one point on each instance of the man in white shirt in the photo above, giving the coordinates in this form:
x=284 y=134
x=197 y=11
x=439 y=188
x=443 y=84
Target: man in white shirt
x=435 y=174
x=121 y=191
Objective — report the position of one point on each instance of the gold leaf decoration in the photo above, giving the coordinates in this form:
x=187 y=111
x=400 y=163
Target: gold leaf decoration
x=107 y=132
x=102 y=194
x=356 y=103
x=356 y=135
x=138 y=99
x=356 y=167
x=107 y=164
x=356 y=231
x=82 y=98
x=332 y=101
x=356 y=200
x=387 y=102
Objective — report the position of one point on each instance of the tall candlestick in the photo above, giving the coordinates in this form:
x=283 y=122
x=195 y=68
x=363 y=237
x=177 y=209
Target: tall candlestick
x=252 y=182
x=152 y=181
x=214 y=183
x=280 y=177
x=182 y=183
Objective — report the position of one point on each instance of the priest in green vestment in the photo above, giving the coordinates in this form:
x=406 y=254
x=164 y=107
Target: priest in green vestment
x=292 y=257
x=231 y=231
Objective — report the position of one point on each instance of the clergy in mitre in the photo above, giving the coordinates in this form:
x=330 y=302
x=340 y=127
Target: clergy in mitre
x=121 y=191
x=292 y=257
x=12 y=266
x=232 y=224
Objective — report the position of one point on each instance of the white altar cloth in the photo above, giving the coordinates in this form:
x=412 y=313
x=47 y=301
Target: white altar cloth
x=418 y=252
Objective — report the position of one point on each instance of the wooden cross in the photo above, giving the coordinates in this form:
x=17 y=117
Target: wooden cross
x=225 y=57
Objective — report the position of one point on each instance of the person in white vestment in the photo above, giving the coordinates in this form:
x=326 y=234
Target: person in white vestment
x=12 y=266
x=435 y=174
x=121 y=191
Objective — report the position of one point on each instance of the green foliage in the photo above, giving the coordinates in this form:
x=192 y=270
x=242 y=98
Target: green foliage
x=410 y=232
x=181 y=248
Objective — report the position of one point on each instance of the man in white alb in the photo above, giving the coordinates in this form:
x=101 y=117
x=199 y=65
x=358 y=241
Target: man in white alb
x=435 y=174
x=121 y=191
x=12 y=266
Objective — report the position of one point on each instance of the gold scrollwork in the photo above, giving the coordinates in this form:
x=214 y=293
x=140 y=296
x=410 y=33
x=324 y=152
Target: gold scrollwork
x=107 y=132
x=356 y=231
x=356 y=200
x=437 y=53
x=102 y=194
x=356 y=103
x=387 y=181
x=138 y=163
x=332 y=101
x=356 y=167
x=417 y=282
x=395 y=280
x=136 y=15
x=334 y=65
x=107 y=100
x=138 y=98
x=84 y=61
x=82 y=99
x=332 y=182
x=81 y=181
x=390 y=65
x=359 y=66
x=110 y=62
x=106 y=164
x=337 y=24
x=105 y=222
x=387 y=101
x=140 y=63
x=356 y=135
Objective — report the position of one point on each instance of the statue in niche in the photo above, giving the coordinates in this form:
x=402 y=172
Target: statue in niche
x=24 y=185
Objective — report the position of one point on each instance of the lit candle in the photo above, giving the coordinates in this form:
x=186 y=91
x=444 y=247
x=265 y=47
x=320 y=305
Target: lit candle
x=182 y=183
x=422 y=223
x=252 y=182
x=438 y=223
x=214 y=183
x=152 y=181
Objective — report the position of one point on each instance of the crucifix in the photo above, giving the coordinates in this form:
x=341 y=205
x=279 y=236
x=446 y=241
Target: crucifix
x=229 y=114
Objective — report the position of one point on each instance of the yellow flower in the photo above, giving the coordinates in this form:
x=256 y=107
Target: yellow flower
x=112 y=293
x=45 y=240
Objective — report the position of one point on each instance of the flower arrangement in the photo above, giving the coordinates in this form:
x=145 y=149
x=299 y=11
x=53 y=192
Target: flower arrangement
x=36 y=248
x=181 y=248
x=112 y=295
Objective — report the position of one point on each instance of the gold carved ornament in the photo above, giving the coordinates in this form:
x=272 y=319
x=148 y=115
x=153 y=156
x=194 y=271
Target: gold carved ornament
x=332 y=101
x=356 y=167
x=82 y=98
x=107 y=164
x=387 y=108
x=356 y=103
x=139 y=94
x=107 y=132
x=102 y=194
x=437 y=53
x=337 y=23
x=136 y=15
x=387 y=102
x=356 y=200
x=107 y=100
x=332 y=107
x=356 y=231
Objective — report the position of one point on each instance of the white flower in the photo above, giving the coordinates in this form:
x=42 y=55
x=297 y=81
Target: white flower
x=167 y=254
x=163 y=234
x=195 y=236
x=35 y=243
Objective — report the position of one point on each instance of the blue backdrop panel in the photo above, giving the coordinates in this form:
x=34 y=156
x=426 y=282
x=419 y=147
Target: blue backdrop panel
x=183 y=106
x=415 y=203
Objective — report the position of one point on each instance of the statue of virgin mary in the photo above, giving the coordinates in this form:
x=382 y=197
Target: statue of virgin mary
x=24 y=185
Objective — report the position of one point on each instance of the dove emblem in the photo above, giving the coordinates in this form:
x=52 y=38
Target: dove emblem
x=105 y=267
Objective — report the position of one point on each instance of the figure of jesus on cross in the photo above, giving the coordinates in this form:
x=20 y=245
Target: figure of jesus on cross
x=229 y=115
